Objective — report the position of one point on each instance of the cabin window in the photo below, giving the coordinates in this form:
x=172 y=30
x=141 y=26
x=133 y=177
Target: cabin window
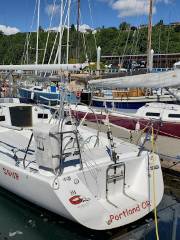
x=173 y=115
x=2 y=118
x=21 y=116
x=152 y=114
x=43 y=115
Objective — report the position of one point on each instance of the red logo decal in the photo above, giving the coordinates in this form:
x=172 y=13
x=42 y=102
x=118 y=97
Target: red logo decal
x=75 y=200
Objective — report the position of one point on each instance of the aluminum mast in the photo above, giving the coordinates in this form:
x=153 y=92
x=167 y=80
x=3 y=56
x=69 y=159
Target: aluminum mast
x=149 y=43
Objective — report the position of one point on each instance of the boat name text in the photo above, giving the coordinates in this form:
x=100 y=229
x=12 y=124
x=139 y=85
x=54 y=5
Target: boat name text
x=127 y=212
x=11 y=173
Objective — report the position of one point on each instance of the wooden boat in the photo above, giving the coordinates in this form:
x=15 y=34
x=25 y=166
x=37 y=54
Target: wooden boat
x=124 y=92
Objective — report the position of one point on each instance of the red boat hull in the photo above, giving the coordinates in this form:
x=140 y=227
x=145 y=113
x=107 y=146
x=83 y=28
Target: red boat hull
x=170 y=129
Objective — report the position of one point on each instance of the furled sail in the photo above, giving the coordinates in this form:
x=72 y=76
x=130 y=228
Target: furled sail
x=44 y=67
x=149 y=80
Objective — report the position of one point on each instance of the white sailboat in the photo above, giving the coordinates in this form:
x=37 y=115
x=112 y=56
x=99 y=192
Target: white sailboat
x=77 y=172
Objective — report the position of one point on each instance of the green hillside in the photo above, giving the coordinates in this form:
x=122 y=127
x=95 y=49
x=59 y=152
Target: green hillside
x=113 y=41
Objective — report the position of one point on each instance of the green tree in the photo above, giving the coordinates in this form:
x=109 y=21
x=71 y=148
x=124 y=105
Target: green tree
x=177 y=28
x=124 y=26
x=41 y=29
x=73 y=28
x=160 y=23
x=164 y=39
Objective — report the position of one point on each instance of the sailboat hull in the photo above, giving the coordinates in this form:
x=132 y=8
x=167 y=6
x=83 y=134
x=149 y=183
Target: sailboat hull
x=164 y=128
x=44 y=97
x=131 y=103
x=79 y=197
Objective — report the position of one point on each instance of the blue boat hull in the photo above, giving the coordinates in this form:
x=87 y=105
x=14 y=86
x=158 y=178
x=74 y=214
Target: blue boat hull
x=119 y=105
x=29 y=96
x=126 y=105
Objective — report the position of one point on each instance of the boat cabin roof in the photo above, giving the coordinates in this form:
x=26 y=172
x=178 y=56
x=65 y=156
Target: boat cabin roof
x=23 y=115
x=15 y=105
x=163 y=111
x=163 y=106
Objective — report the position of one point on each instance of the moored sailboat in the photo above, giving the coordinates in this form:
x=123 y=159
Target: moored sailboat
x=79 y=173
x=165 y=118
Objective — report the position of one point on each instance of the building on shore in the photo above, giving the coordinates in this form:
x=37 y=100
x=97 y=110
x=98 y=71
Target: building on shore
x=160 y=60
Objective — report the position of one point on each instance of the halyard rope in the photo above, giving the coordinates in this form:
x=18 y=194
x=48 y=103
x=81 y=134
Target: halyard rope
x=154 y=185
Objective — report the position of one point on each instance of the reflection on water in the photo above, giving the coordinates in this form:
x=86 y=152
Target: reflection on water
x=20 y=219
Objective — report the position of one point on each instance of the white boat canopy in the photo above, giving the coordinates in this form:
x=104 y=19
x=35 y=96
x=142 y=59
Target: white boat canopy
x=44 y=67
x=177 y=65
x=149 y=80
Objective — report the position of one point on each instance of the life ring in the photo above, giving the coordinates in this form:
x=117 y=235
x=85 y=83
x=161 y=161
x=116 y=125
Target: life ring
x=78 y=94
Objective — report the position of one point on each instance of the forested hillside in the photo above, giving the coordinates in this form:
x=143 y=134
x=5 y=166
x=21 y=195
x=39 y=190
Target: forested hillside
x=113 y=41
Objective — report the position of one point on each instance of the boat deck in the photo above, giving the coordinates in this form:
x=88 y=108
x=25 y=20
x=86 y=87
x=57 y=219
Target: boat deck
x=166 y=147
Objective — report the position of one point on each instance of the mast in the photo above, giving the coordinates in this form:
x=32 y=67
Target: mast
x=78 y=22
x=37 y=37
x=149 y=43
x=60 y=33
x=98 y=59
x=68 y=23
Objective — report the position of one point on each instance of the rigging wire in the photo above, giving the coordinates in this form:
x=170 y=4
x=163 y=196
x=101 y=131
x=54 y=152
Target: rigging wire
x=159 y=45
x=61 y=30
x=84 y=40
x=29 y=34
x=54 y=44
x=115 y=46
x=50 y=24
x=25 y=56
x=167 y=45
x=92 y=22
x=125 y=48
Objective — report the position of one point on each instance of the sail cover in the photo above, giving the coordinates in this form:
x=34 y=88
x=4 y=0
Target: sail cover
x=149 y=80
x=177 y=65
x=44 y=67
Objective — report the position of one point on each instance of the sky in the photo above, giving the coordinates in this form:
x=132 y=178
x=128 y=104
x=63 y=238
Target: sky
x=17 y=15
